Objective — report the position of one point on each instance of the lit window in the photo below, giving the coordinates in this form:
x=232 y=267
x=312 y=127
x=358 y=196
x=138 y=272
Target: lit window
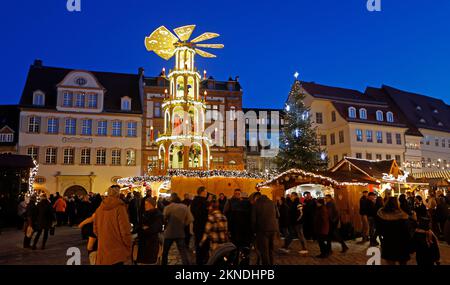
x=69 y=155
x=92 y=101
x=86 y=127
x=423 y=121
x=80 y=100
x=115 y=156
x=101 y=156
x=126 y=104
x=33 y=152
x=50 y=155
x=52 y=125
x=379 y=116
x=5 y=138
x=102 y=128
x=369 y=135
x=363 y=114
x=352 y=112
x=390 y=117
x=131 y=157
x=116 y=128
x=131 y=129
x=379 y=137
x=34 y=124
x=359 y=135
x=38 y=99
x=71 y=126
x=67 y=99
x=85 y=156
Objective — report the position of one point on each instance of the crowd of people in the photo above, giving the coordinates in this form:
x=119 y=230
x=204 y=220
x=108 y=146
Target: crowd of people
x=123 y=228
x=406 y=224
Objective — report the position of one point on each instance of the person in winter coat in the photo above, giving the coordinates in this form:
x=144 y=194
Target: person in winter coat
x=87 y=229
x=232 y=212
x=265 y=226
x=412 y=218
x=441 y=214
x=363 y=212
x=151 y=225
x=44 y=220
x=420 y=208
x=222 y=201
x=295 y=225
x=392 y=224
x=321 y=227
x=283 y=221
x=176 y=216
x=309 y=206
x=216 y=228
x=113 y=230
x=447 y=230
x=243 y=237
x=30 y=222
x=333 y=215
x=425 y=244
x=60 y=209
x=199 y=210
x=187 y=230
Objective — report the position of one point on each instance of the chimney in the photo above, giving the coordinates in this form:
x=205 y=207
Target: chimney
x=37 y=63
x=140 y=71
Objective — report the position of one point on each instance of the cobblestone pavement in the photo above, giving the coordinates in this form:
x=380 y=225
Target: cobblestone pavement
x=12 y=253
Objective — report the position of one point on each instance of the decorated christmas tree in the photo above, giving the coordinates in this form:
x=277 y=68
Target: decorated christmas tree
x=299 y=146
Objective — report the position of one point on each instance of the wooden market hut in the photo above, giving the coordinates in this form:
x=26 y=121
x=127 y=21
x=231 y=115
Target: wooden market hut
x=349 y=178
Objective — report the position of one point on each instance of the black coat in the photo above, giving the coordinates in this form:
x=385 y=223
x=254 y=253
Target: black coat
x=421 y=211
x=199 y=209
x=148 y=236
x=293 y=212
x=241 y=227
x=393 y=228
x=44 y=215
x=363 y=206
x=264 y=216
x=426 y=254
x=284 y=215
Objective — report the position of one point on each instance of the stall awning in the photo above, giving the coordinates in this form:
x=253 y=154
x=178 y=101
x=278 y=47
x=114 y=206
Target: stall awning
x=442 y=174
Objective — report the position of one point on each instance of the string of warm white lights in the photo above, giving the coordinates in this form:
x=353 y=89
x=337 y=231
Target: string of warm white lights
x=33 y=174
x=310 y=174
x=140 y=180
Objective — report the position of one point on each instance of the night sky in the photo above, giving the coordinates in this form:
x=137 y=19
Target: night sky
x=334 y=42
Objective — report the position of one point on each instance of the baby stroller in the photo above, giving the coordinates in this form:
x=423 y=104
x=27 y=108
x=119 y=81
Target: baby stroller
x=228 y=254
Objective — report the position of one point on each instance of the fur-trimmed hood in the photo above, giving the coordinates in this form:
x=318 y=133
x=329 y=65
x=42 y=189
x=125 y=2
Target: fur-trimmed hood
x=392 y=216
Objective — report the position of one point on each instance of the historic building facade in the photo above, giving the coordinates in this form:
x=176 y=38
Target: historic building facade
x=83 y=128
x=379 y=124
x=9 y=128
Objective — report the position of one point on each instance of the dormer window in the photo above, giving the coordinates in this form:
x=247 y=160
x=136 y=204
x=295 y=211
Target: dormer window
x=352 y=112
x=440 y=124
x=38 y=98
x=379 y=116
x=6 y=135
x=422 y=120
x=125 y=104
x=435 y=111
x=418 y=108
x=363 y=114
x=390 y=117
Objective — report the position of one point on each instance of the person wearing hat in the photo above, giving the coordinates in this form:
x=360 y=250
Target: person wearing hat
x=151 y=225
x=425 y=244
x=44 y=220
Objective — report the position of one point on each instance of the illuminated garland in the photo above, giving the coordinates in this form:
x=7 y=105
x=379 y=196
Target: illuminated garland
x=184 y=137
x=310 y=174
x=182 y=101
x=140 y=180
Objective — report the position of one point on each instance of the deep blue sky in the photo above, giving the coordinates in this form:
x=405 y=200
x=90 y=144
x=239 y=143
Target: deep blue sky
x=336 y=42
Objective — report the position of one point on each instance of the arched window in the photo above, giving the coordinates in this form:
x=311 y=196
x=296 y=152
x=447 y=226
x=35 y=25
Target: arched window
x=363 y=114
x=352 y=112
x=379 y=116
x=125 y=103
x=38 y=98
x=390 y=117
